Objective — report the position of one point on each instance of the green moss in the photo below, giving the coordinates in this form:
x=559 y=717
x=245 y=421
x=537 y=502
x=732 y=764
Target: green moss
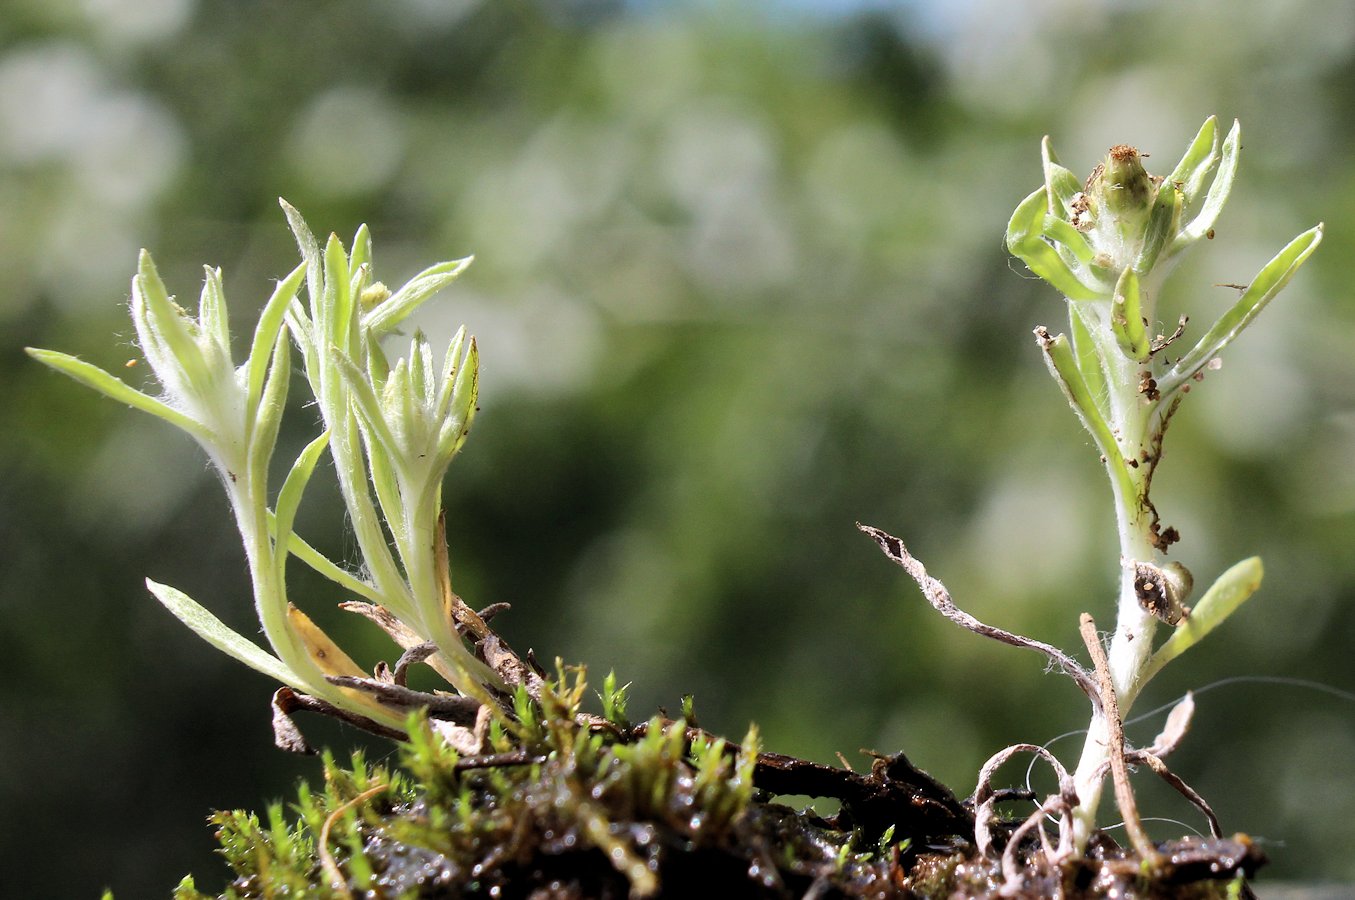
x=573 y=804
x=563 y=804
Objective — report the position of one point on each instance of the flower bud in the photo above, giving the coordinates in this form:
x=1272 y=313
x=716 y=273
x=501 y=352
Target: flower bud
x=1116 y=208
x=1120 y=186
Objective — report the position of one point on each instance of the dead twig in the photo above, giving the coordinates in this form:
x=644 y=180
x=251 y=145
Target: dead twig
x=509 y=666
x=894 y=792
x=288 y=737
x=1119 y=770
x=1162 y=341
x=1155 y=763
x=939 y=597
x=414 y=655
x=452 y=707
x=1177 y=724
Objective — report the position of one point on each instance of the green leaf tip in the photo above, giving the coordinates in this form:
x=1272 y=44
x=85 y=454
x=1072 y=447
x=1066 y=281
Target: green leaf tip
x=1218 y=192
x=1163 y=221
x=1061 y=185
x=1026 y=240
x=1272 y=278
x=92 y=376
x=215 y=632
x=1063 y=365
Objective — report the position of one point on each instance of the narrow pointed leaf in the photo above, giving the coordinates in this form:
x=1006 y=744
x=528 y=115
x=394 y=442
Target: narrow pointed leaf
x=456 y=425
x=304 y=327
x=360 y=286
x=1230 y=591
x=1063 y=233
x=1163 y=221
x=303 y=332
x=401 y=402
x=163 y=327
x=267 y=418
x=385 y=481
x=1060 y=184
x=1218 y=192
x=330 y=659
x=1201 y=157
x=1126 y=317
x=328 y=656
x=289 y=498
x=1087 y=358
x=310 y=252
x=157 y=353
x=213 y=316
x=1027 y=219
x=1025 y=242
x=266 y=334
x=421 y=369
x=378 y=366
x=362 y=249
x=395 y=403
x=408 y=298
x=94 y=377
x=412 y=417
x=1268 y=282
x=1063 y=366
x=339 y=300
x=451 y=365
x=214 y=631
x=365 y=402
x=321 y=564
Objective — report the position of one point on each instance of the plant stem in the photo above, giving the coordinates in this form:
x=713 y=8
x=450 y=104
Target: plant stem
x=249 y=504
x=1133 y=417
x=1108 y=247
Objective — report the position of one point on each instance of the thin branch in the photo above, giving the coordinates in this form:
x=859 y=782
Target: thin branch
x=410 y=657
x=288 y=737
x=894 y=792
x=939 y=597
x=1155 y=763
x=453 y=708
x=509 y=666
x=492 y=610
x=1119 y=770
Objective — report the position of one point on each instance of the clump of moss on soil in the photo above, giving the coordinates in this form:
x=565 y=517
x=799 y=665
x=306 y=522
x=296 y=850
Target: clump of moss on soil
x=564 y=804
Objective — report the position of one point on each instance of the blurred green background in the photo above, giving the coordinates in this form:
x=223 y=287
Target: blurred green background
x=739 y=283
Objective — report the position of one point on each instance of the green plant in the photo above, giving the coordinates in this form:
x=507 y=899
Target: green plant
x=391 y=431
x=1108 y=244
